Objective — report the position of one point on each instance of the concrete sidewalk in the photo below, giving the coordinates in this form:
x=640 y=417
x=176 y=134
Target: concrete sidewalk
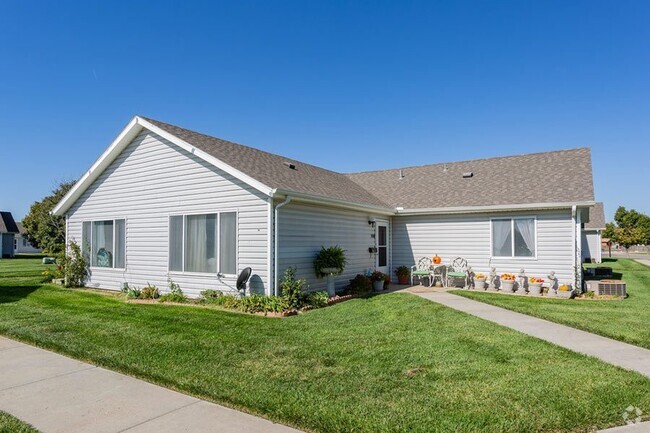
x=611 y=351
x=55 y=393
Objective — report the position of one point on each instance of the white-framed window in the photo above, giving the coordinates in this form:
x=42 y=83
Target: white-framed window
x=203 y=243
x=103 y=243
x=514 y=237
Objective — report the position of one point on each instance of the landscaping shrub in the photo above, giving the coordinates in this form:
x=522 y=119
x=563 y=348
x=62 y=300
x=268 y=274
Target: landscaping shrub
x=175 y=293
x=263 y=304
x=131 y=292
x=72 y=266
x=360 y=285
x=317 y=299
x=292 y=289
x=149 y=292
x=210 y=295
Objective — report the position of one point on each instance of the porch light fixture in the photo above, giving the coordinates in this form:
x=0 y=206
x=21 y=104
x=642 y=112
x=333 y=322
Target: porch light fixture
x=372 y=222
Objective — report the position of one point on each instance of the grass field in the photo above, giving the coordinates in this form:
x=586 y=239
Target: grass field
x=626 y=320
x=393 y=362
x=9 y=424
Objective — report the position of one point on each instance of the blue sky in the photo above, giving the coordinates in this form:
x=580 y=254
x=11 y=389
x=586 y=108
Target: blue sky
x=349 y=86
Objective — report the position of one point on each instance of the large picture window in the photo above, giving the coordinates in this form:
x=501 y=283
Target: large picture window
x=203 y=243
x=103 y=243
x=514 y=237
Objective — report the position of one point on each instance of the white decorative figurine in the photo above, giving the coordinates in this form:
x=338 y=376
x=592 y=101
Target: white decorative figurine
x=521 y=289
x=552 y=288
x=492 y=279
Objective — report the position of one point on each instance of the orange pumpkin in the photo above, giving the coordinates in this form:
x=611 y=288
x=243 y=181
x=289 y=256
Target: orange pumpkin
x=436 y=260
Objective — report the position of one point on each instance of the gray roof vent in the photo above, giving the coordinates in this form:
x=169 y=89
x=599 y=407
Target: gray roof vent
x=291 y=165
x=401 y=173
x=468 y=174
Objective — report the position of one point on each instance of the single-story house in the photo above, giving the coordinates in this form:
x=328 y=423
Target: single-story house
x=8 y=230
x=163 y=202
x=592 y=234
x=22 y=244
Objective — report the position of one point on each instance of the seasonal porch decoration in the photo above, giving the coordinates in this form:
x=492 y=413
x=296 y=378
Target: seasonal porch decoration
x=535 y=286
x=479 y=281
x=507 y=282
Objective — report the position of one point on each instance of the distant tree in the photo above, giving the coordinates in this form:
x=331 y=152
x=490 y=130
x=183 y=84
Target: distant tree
x=630 y=228
x=43 y=229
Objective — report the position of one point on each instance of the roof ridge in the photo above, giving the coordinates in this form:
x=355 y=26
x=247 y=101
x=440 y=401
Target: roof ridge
x=289 y=159
x=472 y=160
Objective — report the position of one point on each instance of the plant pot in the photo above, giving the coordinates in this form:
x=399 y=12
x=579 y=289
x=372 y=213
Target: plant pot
x=402 y=279
x=507 y=286
x=479 y=283
x=378 y=286
x=330 y=270
x=565 y=294
x=535 y=289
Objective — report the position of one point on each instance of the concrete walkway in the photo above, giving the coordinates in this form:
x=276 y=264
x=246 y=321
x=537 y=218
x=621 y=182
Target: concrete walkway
x=59 y=394
x=612 y=351
x=643 y=261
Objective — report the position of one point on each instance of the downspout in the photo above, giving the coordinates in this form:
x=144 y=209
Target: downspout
x=574 y=243
x=276 y=249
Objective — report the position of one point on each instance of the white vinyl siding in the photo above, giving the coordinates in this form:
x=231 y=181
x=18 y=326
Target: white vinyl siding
x=305 y=228
x=153 y=179
x=469 y=236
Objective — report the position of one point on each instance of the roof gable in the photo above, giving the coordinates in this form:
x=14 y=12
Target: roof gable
x=7 y=223
x=596 y=217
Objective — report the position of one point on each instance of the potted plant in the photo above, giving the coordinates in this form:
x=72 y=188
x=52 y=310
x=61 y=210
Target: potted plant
x=403 y=273
x=378 y=279
x=329 y=260
x=535 y=286
x=479 y=281
x=507 y=283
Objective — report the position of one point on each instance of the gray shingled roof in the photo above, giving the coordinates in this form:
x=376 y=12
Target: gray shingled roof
x=552 y=177
x=7 y=223
x=596 y=217
x=563 y=176
x=270 y=169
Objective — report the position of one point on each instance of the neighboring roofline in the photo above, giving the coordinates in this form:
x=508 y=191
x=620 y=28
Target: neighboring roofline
x=492 y=208
x=319 y=199
x=132 y=129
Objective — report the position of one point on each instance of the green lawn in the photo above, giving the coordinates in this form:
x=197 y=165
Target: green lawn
x=393 y=362
x=626 y=320
x=9 y=424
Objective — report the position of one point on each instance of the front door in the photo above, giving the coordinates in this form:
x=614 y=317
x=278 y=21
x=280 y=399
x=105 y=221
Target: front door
x=382 y=248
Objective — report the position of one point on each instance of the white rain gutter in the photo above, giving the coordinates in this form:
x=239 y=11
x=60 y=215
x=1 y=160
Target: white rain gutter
x=491 y=208
x=574 y=242
x=276 y=248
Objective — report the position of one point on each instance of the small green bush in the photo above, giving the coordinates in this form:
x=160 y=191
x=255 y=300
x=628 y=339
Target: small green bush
x=263 y=304
x=292 y=289
x=210 y=294
x=175 y=293
x=360 y=285
x=317 y=299
x=131 y=292
x=149 y=292
x=226 y=301
x=72 y=266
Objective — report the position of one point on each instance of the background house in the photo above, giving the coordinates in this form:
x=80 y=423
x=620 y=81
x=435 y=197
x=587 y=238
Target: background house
x=163 y=202
x=592 y=234
x=22 y=244
x=8 y=230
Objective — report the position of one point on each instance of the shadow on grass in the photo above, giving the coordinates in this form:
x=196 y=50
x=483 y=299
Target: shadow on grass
x=15 y=293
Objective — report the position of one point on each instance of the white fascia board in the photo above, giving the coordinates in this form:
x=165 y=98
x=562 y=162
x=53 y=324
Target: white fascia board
x=317 y=199
x=123 y=139
x=493 y=208
x=134 y=127
x=266 y=190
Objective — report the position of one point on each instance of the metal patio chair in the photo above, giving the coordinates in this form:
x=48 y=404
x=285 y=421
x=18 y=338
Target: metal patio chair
x=421 y=269
x=458 y=269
